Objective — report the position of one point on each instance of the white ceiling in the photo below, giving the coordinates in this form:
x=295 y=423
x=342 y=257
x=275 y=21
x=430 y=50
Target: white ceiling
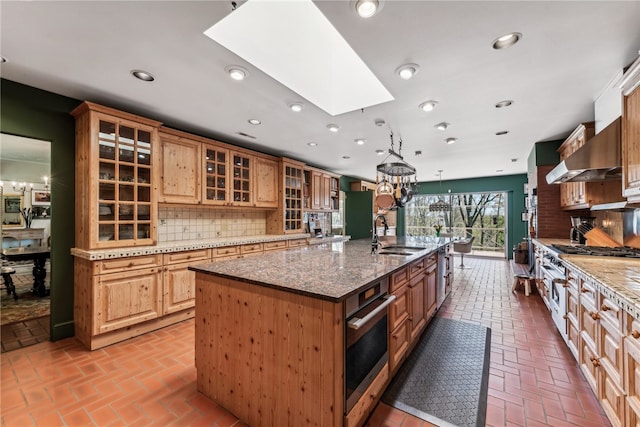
x=569 y=52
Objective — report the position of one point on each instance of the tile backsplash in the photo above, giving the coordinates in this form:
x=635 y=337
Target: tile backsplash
x=179 y=223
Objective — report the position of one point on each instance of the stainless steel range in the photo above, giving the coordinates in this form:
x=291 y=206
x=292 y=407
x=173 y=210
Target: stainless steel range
x=621 y=251
x=554 y=278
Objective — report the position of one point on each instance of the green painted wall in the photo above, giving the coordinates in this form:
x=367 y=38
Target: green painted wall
x=33 y=113
x=513 y=185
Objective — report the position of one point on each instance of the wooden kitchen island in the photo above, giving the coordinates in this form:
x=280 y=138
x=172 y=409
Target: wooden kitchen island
x=270 y=331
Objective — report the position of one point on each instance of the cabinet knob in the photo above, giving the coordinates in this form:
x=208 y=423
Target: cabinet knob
x=595 y=361
x=594 y=316
x=565 y=317
x=635 y=334
x=585 y=290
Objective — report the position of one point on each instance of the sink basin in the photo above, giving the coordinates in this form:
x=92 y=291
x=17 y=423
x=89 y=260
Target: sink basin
x=394 y=247
x=386 y=252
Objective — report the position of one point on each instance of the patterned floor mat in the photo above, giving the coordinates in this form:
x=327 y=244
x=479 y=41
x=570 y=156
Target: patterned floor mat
x=445 y=379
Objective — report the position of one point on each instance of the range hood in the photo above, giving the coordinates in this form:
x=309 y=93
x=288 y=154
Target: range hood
x=597 y=160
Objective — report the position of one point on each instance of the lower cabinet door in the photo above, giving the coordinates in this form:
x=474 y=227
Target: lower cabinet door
x=417 y=296
x=398 y=344
x=179 y=288
x=588 y=361
x=632 y=381
x=124 y=299
x=612 y=397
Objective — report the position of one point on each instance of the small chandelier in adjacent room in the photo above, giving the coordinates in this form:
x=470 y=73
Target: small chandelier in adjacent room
x=397 y=174
x=440 y=205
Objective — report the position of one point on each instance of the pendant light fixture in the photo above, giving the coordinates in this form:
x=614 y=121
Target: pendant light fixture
x=440 y=205
x=397 y=172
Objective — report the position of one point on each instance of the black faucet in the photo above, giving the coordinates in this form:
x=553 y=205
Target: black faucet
x=375 y=242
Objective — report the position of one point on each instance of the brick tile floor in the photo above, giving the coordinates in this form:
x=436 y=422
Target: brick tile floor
x=151 y=380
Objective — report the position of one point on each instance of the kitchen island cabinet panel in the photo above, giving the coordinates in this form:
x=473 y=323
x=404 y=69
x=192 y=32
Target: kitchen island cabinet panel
x=632 y=380
x=417 y=296
x=274 y=350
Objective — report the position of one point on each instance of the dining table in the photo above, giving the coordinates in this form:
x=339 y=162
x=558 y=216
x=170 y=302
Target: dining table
x=37 y=254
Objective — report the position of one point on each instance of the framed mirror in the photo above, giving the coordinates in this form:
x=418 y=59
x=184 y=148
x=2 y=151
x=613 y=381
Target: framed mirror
x=12 y=205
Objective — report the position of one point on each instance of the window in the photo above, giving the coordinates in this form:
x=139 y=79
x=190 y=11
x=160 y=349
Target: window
x=479 y=214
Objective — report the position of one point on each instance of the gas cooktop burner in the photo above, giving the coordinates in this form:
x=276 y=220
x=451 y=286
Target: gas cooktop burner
x=599 y=251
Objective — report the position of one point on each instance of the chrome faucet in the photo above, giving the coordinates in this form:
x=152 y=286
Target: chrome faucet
x=375 y=242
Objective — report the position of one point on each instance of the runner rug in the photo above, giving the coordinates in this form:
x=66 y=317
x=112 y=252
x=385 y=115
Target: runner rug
x=445 y=379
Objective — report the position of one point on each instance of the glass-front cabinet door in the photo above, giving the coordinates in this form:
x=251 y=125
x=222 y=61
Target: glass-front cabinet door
x=293 y=195
x=242 y=179
x=117 y=154
x=216 y=176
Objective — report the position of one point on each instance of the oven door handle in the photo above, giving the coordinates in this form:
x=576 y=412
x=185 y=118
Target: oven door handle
x=356 y=323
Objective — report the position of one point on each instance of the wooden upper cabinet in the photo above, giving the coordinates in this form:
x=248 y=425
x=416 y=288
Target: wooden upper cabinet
x=116 y=198
x=291 y=188
x=573 y=194
x=266 y=182
x=324 y=191
x=631 y=133
x=242 y=179
x=180 y=169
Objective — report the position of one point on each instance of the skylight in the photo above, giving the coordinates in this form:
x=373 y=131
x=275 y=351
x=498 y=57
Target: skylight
x=294 y=43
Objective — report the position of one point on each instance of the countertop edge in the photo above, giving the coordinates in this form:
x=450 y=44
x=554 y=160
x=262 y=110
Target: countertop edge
x=182 y=246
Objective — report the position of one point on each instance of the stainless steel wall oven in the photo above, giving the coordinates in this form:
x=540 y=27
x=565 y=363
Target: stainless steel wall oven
x=366 y=339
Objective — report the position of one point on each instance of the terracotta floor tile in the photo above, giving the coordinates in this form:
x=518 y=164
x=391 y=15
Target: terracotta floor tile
x=150 y=380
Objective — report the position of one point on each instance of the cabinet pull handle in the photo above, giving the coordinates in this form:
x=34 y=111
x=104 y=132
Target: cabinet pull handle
x=585 y=290
x=594 y=361
x=605 y=307
x=594 y=316
x=635 y=334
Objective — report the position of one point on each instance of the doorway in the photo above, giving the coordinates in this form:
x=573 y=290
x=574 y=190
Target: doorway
x=25 y=225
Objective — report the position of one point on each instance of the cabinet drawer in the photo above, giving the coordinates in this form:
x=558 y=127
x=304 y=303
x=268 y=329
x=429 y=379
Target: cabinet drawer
x=225 y=251
x=367 y=402
x=280 y=244
x=589 y=293
x=417 y=267
x=398 y=279
x=588 y=321
x=251 y=248
x=632 y=328
x=125 y=264
x=297 y=242
x=178 y=257
x=611 y=312
x=398 y=345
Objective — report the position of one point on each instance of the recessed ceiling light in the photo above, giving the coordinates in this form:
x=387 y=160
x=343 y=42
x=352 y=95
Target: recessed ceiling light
x=379 y=152
x=312 y=144
x=442 y=126
x=360 y=141
x=407 y=71
x=502 y=132
x=143 y=75
x=505 y=103
x=333 y=127
x=254 y=121
x=428 y=105
x=506 y=41
x=367 y=8
x=236 y=72
x=296 y=106
x=451 y=140
x=346 y=157
x=379 y=122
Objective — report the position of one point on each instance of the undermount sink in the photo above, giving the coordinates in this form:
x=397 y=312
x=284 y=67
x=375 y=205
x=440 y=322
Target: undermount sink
x=415 y=248
x=385 y=252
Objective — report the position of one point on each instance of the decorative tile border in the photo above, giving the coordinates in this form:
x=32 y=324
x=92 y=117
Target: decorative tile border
x=171 y=247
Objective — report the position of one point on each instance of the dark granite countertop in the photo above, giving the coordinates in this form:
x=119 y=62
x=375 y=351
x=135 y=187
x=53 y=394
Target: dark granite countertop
x=331 y=271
